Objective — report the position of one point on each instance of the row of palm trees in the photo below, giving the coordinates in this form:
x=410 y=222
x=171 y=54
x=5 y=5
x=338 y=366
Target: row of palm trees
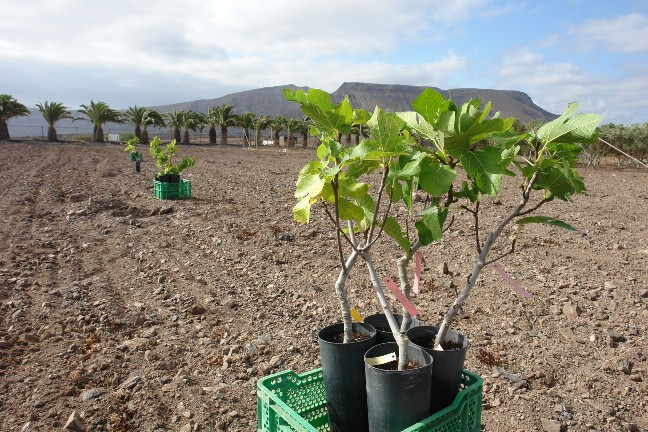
x=180 y=121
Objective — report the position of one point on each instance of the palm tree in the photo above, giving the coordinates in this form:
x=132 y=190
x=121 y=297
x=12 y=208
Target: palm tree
x=150 y=118
x=53 y=112
x=261 y=123
x=277 y=125
x=135 y=116
x=99 y=113
x=303 y=127
x=359 y=130
x=225 y=118
x=211 y=119
x=291 y=126
x=190 y=121
x=246 y=122
x=9 y=108
x=174 y=120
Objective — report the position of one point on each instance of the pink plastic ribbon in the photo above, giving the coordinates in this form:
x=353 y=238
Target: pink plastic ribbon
x=418 y=258
x=514 y=284
x=408 y=305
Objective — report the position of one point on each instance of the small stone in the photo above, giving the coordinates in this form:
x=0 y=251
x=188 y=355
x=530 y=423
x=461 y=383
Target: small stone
x=443 y=269
x=615 y=336
x=593 y=295
x=643 y=293
x=549 y=425
x=134 y=344
x=170 y=387
x=571 y=311
x=166 y=210
x=131 y=382
x=75 y=423
x=92 y=393
x=609 y=285
x=625 y=366
x=198 y=310
x=186 y=428
x=275 y=361
x=229 y=303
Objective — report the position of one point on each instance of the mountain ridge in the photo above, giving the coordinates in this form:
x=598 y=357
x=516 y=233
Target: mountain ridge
x=270 y=101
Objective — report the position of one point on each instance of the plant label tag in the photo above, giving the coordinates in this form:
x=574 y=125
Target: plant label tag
x=375 y=361
x=418 y=258
x=514 y=284
x=407 y=304
x=356 y=316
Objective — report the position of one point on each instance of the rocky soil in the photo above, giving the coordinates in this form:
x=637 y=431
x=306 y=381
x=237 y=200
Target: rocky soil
x=120 y=312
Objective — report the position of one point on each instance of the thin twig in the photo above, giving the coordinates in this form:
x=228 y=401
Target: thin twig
x=452 y=219
x=622 y=152
x=534 y=208
x=475 y=214
x=510 y=251
x=340 y=231
x=375 y=216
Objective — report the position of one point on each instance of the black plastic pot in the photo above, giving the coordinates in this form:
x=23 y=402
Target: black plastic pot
x=448 y=365
x=344 y=377
x=162 y=178
x=380 y=323
x=174 y=178
x=137 y=166
x=398 y=399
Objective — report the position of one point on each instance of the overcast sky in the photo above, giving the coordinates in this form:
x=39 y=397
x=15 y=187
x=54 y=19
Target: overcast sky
x=158 y=52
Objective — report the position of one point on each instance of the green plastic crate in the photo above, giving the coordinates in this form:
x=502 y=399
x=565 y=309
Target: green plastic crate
x=167 y=191
x=287 y=402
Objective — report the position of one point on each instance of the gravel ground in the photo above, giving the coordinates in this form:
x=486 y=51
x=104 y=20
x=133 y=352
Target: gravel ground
x=120 y=312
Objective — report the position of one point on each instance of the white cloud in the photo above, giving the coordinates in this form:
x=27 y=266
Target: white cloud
x=622 y=34
x=193 y=47
x=554 y=85
x=128 y=53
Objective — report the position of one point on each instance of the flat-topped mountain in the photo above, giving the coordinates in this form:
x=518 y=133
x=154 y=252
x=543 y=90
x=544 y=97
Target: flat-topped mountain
x=389 y=97
x=270 y=101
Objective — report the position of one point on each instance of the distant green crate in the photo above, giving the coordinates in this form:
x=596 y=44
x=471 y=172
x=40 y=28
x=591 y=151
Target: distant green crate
x=288 y=402
x=169 y=191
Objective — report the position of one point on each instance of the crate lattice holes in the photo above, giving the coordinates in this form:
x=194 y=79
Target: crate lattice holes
x=168 y=191
x=287 y=402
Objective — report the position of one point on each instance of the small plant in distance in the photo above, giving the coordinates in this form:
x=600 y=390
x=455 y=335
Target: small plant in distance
x=130 y=145
x=163 y=156
x=358 y=186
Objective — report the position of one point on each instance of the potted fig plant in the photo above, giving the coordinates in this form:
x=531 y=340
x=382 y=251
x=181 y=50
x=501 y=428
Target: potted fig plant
x=130 y=147
x=167 y=183
x=393 y=165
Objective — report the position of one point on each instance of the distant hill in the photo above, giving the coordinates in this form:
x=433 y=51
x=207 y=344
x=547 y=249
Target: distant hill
x=270 y=100
x=390 y=97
